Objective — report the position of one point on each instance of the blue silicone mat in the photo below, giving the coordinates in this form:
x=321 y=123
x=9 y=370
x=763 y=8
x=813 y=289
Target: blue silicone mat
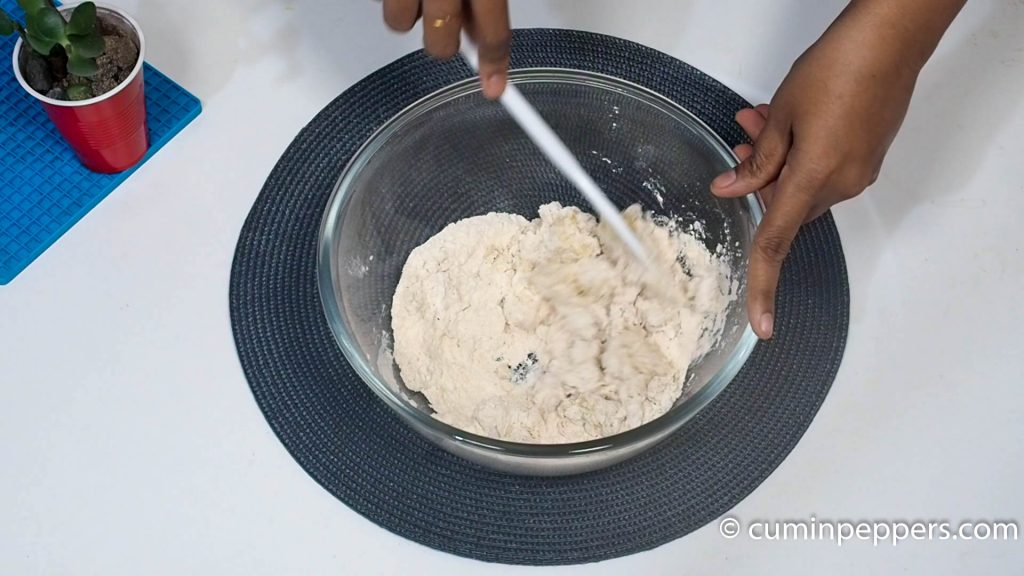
x=44 y=190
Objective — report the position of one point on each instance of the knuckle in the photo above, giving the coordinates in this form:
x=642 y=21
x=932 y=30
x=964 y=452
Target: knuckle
x=443 y=50
x=772 y=246
x=810 y=177
x=495 y=45
x=815 y=171
x=849 y=193
x=873 y=176
x=854 y=181
x=758 y=164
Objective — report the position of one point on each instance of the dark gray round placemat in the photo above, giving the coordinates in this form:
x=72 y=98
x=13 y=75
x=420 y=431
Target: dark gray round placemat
x=349 y=442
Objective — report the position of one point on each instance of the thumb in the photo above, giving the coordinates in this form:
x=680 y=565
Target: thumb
x=772 y=242
x=762 y=167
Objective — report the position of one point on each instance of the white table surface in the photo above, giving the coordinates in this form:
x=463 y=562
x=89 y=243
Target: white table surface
x=130 y=442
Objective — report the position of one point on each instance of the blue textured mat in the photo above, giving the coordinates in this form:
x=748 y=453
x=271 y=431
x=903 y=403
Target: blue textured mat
x=44 y=190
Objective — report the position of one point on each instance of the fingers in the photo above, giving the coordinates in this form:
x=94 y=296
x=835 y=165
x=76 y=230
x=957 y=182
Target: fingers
x=764 y=164
x=752 y=122
x=790 y=207
x=401 y=15
x=743 y=151
x=489 y=27
x=442 y=23
x=485 y=20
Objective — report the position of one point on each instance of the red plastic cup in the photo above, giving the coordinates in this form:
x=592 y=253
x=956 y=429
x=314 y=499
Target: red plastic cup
x=108 y=132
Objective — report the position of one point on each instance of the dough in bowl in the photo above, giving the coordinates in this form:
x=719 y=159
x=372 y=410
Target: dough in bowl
x=547 y=331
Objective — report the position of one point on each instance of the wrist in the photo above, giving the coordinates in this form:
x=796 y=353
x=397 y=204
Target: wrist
x=907 y=31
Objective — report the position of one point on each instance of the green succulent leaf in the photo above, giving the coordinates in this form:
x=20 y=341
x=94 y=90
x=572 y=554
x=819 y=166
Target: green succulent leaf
x=30 y=6
x=88 y=46
x=40 y=45
x=83 y=20
x=7 y=25
x=79 y=92
x=46 y=24
x=81 y=65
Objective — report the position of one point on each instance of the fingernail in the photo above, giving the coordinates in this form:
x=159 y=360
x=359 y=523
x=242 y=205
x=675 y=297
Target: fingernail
x=724 y=180
x=491 y=85
x=767 y=325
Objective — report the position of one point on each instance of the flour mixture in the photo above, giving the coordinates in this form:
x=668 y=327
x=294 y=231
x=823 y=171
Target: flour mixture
x=546 y=332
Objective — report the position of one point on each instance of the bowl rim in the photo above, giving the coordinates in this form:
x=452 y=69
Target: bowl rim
x=327 y=266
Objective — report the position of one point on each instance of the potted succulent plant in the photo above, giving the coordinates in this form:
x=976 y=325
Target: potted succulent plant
x=85 y=64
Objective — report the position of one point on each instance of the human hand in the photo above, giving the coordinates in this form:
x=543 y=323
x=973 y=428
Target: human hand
x=486 y=22
x=821 y=141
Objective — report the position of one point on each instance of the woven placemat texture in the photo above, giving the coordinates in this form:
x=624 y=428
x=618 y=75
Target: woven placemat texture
x=350 y=443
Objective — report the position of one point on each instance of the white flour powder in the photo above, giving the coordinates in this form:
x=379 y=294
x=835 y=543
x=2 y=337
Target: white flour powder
x=546 y=332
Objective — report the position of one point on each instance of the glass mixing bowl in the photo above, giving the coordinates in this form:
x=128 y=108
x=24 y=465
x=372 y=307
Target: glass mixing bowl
x=455 y=154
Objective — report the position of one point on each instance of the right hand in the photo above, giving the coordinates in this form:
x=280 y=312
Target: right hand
x=486 y=22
